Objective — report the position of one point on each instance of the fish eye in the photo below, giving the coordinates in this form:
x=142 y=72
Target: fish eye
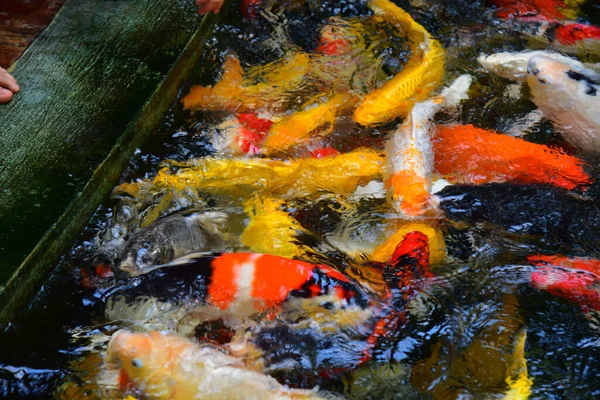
x=137 y=363
x=542 y=80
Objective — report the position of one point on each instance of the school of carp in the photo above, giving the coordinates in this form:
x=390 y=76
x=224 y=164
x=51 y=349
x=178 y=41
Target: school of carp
x=207 y=300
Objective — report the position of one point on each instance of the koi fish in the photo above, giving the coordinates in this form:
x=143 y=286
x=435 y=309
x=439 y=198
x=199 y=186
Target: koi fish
x=241 y=134
x=436 y=246
x=408 y=264
x=523 y=210
x=569 y=97
x=563 y=89
x=296 y=128
x=418 y=78
x=262 y=87
x=485 y=355
x=570 y=34
x=167 y=366
x=514 y=65
x=471 y=155
x=410 y=153
x=537 y=10
x=172 y=237
x=272 y=230
x=233 y=285
x=575 y=279
x=302 y=178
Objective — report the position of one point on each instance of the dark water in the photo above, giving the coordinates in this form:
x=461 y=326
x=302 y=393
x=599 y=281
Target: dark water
x=459 y=338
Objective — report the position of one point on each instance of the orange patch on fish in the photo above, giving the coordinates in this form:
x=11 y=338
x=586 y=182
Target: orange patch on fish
x=412 y=190
x=275 y=277
x=471 y=155
x=223 y=287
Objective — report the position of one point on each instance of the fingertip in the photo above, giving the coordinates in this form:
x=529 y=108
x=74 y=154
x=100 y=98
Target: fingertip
x=5 y=95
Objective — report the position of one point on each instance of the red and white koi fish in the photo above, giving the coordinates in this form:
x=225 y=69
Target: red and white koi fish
x=537 y=10
x=575 y=279
x=241 y=134
x=233 y=285
x=410 y=153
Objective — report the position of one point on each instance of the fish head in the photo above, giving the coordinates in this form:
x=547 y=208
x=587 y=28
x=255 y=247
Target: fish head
x=409 y=261
x=138 y=261
x=558 y=80
x=143 y=358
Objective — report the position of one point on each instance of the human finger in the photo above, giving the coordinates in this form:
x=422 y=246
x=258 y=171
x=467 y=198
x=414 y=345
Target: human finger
x=8 y=81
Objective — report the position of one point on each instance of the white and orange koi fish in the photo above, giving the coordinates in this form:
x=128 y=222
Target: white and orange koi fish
x=410 y=153
x=167 y=366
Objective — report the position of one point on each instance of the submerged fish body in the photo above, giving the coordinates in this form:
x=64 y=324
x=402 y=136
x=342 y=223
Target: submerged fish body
x=172 y=237
x=166 y=366
x=570 y=98
x=556 y=217
x=235 y=285
x=575 y=279
x=537 y=10
x=267 y=87
x=410 y=153
x=470 y=155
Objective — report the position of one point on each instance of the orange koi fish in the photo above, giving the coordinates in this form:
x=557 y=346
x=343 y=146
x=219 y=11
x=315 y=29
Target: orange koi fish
x=235 y=285
x=167 y=366
x=262 y=87
x=410 y=154
x=471 y=155
x=418 y=78
x=575 y=279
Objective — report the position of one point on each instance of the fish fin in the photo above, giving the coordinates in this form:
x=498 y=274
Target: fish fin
x=214 y=222
x=521 y=128
x=187 y=259
x=457 y=91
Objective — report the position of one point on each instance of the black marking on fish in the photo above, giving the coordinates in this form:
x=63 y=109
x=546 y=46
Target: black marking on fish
x=592 y=87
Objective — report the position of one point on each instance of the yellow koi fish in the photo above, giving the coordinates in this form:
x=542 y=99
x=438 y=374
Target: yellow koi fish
x=272 y=230
x=418 y=78
x=341 y=174
x=171 y=367
x=261 y=87
x=298 y=127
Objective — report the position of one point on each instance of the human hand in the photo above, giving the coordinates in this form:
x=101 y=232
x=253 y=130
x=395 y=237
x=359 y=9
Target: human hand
x=206 y=6
x=8 y=86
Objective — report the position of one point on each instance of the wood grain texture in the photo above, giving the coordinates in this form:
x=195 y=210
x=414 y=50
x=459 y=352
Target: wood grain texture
x=20 y=22
x=84 y=81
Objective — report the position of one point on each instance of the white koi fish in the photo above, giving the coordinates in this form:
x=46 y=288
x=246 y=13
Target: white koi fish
x=410 y=152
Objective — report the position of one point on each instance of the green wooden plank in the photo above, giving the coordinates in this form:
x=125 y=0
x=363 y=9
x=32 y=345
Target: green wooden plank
x=94 y=84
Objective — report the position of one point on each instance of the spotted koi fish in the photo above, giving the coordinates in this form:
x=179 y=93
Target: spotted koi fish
x=575 y=279
x=232 y=285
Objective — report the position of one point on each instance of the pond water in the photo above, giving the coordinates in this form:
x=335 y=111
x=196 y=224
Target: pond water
x=483 y=315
